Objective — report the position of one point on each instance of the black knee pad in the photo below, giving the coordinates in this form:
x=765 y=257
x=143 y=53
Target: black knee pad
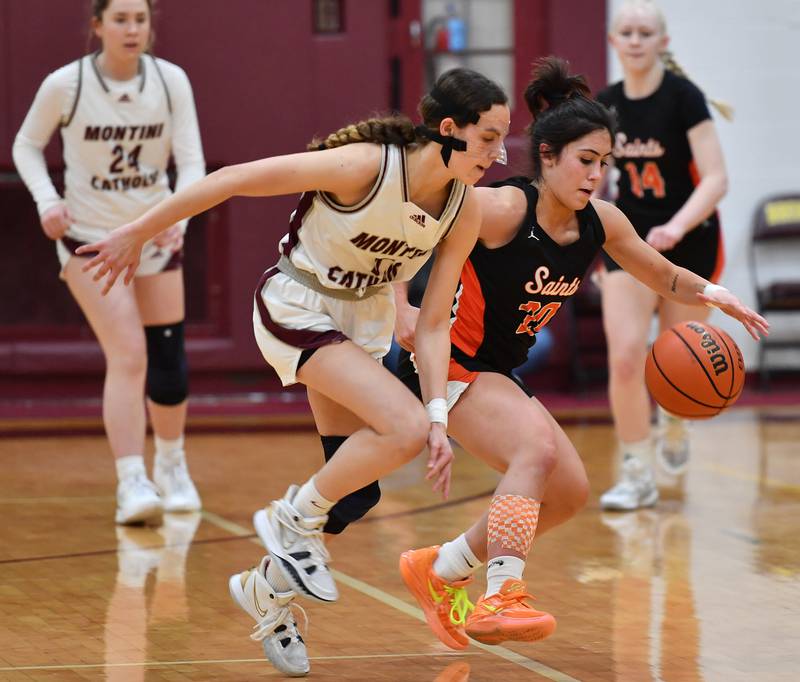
x=353 y=506
x=167 y=371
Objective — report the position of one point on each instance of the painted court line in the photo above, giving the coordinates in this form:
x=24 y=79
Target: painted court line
x=403 y=607
x=221 y=661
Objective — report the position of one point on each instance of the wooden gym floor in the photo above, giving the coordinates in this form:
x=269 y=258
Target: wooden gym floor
x=705 y=586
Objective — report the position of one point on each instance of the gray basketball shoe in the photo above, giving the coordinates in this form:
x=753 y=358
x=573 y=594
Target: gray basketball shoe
x=275 y=627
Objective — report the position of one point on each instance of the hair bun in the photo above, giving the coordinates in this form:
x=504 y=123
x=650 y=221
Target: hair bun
x=552 y=85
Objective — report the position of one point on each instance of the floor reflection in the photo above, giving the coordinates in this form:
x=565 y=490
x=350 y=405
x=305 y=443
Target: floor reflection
x=142 y=550
x=655 y=627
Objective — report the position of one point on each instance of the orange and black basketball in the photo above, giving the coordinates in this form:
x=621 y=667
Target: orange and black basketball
x=694 y=370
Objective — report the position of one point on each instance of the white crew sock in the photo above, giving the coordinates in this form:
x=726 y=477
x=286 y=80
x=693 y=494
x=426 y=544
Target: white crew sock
x=501 y=568
x=276 y=579
x=130 y=466
x=309 y=502
x=641 y=449
x=456 y=560
x=169 y=451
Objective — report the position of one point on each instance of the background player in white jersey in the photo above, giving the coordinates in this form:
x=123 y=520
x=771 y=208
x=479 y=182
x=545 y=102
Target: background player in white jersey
x=379 y=196
x=121 y=113
x=672 y=175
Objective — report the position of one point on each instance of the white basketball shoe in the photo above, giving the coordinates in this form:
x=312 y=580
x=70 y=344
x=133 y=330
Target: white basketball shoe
x=138 y=501
x=296 y=544
x=635 y=489
x=171 y=475
x=275 y=627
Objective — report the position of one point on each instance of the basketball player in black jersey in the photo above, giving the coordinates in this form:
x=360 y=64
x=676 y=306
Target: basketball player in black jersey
x=537 y=239
x=671 y=177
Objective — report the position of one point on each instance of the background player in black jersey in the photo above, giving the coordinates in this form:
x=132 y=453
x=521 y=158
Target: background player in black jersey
x=671 y=177
x=536 y=241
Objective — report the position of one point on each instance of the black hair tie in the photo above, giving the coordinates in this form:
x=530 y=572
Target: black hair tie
x=449 y=143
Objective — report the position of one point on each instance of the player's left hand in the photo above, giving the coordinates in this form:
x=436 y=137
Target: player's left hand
x=440 y=459
x=755 y=325
x=170 y=239
x=116 y=254
x=665 y=237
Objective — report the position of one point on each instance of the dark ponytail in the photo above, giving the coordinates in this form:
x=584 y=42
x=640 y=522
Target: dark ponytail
x=563 y=110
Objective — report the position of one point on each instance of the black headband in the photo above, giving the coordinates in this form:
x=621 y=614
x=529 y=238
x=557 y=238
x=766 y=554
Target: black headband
x=449 y=143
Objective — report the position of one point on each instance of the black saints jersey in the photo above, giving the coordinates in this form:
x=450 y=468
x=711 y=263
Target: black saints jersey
x=509 y=293
x=652 y=153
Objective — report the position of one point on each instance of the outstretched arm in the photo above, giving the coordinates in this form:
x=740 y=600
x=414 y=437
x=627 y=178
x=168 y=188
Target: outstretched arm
x=346 y=171
x=647 y=265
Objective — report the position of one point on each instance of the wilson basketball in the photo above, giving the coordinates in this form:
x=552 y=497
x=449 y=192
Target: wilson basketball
x=694 y=370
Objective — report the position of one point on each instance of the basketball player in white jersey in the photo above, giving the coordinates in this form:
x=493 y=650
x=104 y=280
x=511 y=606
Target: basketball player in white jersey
x=378 y=197
x=121 y=113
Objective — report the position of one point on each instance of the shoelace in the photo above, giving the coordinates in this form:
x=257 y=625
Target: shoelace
x=178 y=476
x=511 y=598
x=267 y=626
x=141 y=483
x=460 y=605
x=310 y=528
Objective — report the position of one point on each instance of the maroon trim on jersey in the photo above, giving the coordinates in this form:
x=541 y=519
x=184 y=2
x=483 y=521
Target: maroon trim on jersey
x=330 y=203
x=77 y=95
x=404 y=173
x=457 y=211
x=306 y=201
x=175 y=261
x=299 y=338
x=467 y=331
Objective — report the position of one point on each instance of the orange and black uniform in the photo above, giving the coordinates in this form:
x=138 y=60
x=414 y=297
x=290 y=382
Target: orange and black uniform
x=657 y=173
x=507 y=294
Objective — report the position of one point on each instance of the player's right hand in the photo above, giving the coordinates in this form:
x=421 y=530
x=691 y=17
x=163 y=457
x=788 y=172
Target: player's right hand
x=405 y=324
x=56 y=221
x=116 y=254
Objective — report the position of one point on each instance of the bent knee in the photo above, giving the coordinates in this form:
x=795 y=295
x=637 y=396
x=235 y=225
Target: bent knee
x=410 y=434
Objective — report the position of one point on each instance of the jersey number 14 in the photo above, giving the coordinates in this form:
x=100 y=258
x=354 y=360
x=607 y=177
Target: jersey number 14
x=650 y=178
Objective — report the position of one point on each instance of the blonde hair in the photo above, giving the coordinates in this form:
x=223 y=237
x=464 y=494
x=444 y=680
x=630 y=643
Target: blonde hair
x=667 y=57
x=645 y=5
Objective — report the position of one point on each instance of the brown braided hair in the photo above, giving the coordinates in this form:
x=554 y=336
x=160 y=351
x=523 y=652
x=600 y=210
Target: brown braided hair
x=396 y=129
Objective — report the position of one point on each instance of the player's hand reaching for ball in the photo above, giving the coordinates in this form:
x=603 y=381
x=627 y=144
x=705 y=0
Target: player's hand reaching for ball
x=719 y=297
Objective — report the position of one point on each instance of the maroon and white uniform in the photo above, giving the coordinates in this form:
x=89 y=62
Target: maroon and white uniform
x=353 y=251
x=117 y=138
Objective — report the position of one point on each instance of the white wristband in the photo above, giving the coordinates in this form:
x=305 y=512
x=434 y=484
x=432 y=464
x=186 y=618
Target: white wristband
x=710 y=289
x=437 y=410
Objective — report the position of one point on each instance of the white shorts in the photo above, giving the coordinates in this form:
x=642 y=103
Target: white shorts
x=289 y=318
x=153 y=261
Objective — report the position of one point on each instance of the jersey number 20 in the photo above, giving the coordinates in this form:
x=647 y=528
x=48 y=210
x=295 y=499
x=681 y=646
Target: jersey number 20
x=538 y=316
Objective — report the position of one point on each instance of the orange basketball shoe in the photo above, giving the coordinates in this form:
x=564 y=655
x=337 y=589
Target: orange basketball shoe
x=445 y=605
x=507 y=616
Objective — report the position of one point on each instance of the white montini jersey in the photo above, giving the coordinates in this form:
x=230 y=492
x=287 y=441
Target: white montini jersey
x=117 y=140
x=384 y=238
x=116 y=147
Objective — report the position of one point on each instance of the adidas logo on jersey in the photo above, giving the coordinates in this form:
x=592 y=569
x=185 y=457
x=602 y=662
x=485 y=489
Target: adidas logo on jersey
x=418 y=218
x=124 y=98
